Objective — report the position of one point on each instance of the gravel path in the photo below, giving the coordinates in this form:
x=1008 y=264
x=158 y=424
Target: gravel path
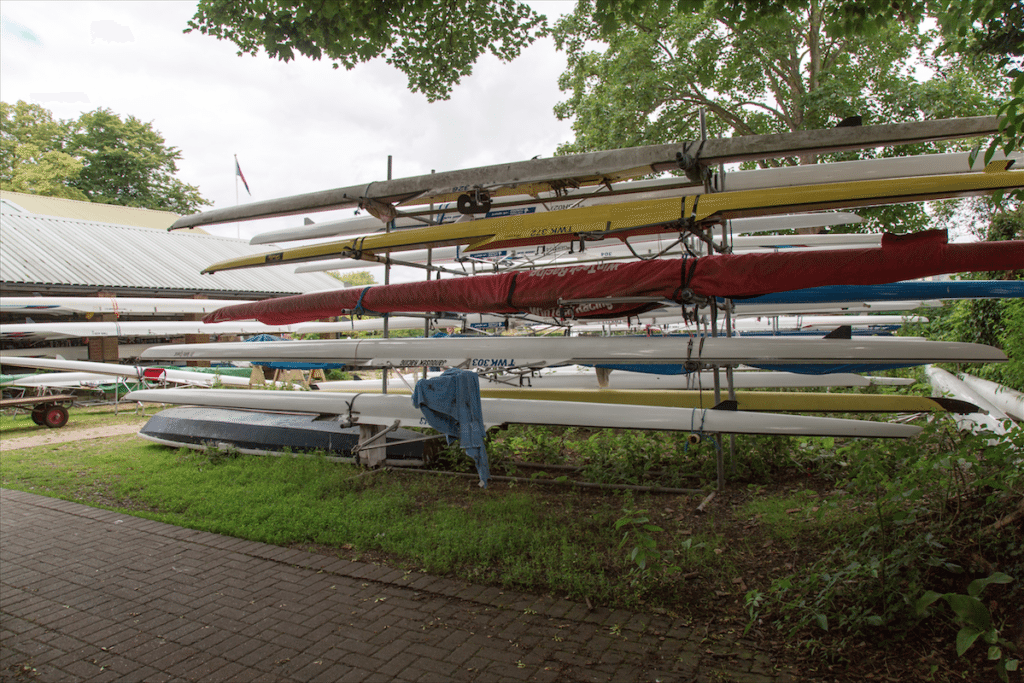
x=47 y=436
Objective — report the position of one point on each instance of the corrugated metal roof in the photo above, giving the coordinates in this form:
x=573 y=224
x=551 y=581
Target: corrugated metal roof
x=92 y=211
x=45 y=250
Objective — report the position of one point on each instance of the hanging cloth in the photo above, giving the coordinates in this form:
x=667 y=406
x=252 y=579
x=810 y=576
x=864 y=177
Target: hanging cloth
x=451 y=404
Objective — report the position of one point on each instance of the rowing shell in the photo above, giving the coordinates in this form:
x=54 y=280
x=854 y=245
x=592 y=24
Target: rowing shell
x=988 y=417
x=60 y=379
x=644 y=217
x=896 y=291
x=385 y=409
x=65 y=305
x=615 y=290
x=589 y=379
x=785 y=176
x=127 y=371
x=512 y=352
x=594 y=168
x=647 y=246
x=756 y=401
x=1008 y=400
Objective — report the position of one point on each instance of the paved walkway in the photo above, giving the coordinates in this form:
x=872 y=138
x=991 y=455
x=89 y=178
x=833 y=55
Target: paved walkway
x=92 y=595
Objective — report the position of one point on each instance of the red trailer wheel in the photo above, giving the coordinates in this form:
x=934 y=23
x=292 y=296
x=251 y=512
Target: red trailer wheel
x=56 y=416
x=39 y=415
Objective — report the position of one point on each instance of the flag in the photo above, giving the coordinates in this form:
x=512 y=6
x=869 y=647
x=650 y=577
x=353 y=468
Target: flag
x=238 y=172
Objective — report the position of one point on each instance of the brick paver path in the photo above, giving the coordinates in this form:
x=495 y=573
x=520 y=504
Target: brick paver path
x=92 y=595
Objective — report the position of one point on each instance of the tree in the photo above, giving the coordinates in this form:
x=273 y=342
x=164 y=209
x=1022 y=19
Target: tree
x=97 y=157
x=784 y=74
x=128 y=163
x=993 y=28
x=31 y=156
x=787 y=72
x=433 y=42
x=358 y=278
x=969 y=28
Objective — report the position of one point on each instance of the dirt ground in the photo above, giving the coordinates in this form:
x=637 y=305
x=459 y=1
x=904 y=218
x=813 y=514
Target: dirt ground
x=65 y=434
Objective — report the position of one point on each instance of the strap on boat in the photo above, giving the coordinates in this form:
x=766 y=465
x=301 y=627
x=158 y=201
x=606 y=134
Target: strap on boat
x=511 y=290
x=687 y=268
x=382 y=211
x=351 y=420
x=689 y=162
x=358 y=308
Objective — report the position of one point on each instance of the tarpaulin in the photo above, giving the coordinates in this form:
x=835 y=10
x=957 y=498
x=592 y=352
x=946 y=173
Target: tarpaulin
x=901 y=257
x=450 y=404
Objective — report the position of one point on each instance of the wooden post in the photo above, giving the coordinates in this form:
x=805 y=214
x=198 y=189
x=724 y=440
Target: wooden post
x=256 y=377
x=374 y=455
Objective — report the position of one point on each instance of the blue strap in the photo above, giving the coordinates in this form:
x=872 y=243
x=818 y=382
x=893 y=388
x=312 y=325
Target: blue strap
x=358 y=308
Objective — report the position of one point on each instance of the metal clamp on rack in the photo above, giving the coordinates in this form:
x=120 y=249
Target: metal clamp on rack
x=693 y=364
x=479 y=202
x=688 y=296
x=689 y=162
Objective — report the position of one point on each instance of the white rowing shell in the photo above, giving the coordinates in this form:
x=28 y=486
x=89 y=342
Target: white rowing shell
x=127 y=371
x=1006 y=399
x=382 y=409
x=510 y=352
x=990 y=417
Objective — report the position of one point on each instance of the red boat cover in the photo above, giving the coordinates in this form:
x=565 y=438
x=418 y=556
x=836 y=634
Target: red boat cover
x=901 y=257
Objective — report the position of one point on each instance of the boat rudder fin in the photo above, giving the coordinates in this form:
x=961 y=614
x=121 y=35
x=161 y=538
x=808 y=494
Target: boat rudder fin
x=999 y=165
x=955 y=405
x=727 y=404
x=841 y=332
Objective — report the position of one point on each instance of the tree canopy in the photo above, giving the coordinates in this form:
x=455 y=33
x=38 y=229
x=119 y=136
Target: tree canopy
x=989 y=33
x=645 y=82
x=32 y=159
x=436 y=43
x=433 y=43
x=787 y=72
x=354 y=278
x=98 y=157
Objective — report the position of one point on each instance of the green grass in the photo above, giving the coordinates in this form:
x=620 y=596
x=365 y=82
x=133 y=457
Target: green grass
x=17 y=424
x=798 y=538
x=798 y=515
x=841 y=532
x=445 y=527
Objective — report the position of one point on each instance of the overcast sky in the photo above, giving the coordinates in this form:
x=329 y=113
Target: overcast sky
x=296 y=127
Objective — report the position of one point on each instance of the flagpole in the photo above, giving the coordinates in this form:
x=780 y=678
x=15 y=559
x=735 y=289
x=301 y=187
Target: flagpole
x=237 y=227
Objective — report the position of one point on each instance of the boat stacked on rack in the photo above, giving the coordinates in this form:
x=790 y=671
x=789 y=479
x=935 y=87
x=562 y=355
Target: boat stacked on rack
x=623 y=248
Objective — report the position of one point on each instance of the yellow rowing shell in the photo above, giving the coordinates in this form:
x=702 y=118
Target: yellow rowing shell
x=653 y=215
x=756 y=401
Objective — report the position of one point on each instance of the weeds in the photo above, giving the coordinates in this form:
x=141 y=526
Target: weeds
x=638 y=530
x=895 y=531
x=921 y=506
x=974 y=620
x=538 y=444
